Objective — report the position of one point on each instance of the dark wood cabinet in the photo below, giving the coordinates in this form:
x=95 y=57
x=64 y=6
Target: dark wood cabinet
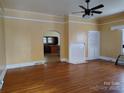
x=54 y=49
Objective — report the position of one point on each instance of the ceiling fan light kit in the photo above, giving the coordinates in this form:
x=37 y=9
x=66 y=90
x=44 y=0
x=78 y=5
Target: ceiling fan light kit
x=89 y=12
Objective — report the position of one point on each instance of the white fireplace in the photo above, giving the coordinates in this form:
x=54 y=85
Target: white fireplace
x=77 y=53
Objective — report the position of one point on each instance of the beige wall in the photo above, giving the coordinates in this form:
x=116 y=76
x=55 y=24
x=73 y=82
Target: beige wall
x=2 y=43
x=24 y=40
x=24 y=37
x=111 y=40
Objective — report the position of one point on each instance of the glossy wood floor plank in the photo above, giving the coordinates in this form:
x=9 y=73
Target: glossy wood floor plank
x=92 y=77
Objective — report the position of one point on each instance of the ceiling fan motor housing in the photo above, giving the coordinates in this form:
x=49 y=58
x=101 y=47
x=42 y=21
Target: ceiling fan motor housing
x=87 y=11
x=87 y=1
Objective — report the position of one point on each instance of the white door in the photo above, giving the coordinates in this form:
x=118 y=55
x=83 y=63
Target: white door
x=93 y=44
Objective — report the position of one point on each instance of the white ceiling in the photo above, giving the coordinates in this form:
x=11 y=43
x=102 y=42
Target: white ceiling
x=64 y=7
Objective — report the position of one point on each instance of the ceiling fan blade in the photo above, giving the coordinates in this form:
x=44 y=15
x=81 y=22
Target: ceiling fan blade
x=82 y=7
x=77 y=12
x=97 y=7
x=97 y=12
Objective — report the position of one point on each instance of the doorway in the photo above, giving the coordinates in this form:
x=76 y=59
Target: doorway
x=93 y=45
x=51 y=41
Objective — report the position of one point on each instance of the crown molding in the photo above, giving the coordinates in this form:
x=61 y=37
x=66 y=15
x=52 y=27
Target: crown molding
x=47 y=21
x=61 y=22
x=75 y=16
x=115 y=21
x=32 y=12
x=120 y=27
x=86 y=23
x=52 y=21
x=35 y=20
x=81 y=17
x=90 y=23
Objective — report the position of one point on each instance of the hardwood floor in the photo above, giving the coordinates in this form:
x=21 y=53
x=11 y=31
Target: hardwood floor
x=52 y=58
x=97 y=76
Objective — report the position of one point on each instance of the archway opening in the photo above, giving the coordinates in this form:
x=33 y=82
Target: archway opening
x=51 y=41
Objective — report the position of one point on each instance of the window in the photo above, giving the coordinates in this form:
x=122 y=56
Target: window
x=44 y=40
x=50 y=40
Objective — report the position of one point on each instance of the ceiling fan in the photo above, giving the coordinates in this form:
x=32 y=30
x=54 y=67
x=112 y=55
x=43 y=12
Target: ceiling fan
x=89 y=11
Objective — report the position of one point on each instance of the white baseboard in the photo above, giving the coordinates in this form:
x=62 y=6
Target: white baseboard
x=108 y=58
x=2 y=77
x=88 y=58
x=64 y=60
x=72 y=61
x=11 y=66
x=77 y=61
